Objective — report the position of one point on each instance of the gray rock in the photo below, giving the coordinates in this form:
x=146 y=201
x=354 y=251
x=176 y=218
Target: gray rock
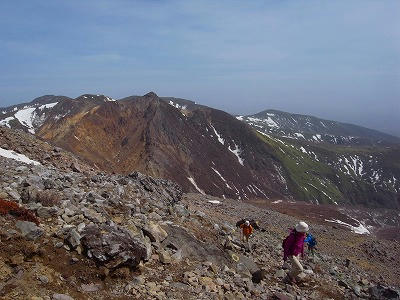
x=69 y=212
x=112 y=246
x=29 y=230
x=80 y=227
x=280 y=274
x=137 y=280
x=93 y=216
x=62 y=297
x=181 y=211
x=44 y=279
x=357 y=290
x=383 y=292
x=343 y=283
x=259 y=275
x=155 y=232
x=14 y=194
x=59 y=244
x=165 y=258
x=91 y=287
x=74 y=239
x=283 y=296
x=29 y=194
x=46 y=212
x=177 y=256
x=75 y=167
x=49 y=184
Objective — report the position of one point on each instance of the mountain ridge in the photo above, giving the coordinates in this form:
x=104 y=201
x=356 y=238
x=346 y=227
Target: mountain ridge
x=210 y=151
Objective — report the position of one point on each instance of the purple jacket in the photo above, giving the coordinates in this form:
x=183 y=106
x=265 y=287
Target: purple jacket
x=293 y=244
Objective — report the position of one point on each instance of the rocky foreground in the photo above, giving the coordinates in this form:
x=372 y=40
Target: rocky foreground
x=91 y=235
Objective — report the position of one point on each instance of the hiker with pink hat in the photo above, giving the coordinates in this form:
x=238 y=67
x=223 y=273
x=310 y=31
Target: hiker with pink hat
x=293 y=246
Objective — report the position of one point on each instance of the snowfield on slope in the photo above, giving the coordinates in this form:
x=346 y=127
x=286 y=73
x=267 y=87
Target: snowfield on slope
x=195 y=185
x=16 y=156
x=360 y=229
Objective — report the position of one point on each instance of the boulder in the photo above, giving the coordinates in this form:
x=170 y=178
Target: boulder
x=181 y=211
x=207 y=283
x=61 y=297
x=383 y=292
x=165 y=258
x=180 y=239
x=29 y=194
x=155 y=232
x=29 y=230
x=258 y=276
x=243 y=263
x=75 y=167
x=113 y=246
x=46 y=212
x=91 y=287
x=280 y=274
x=73 y=239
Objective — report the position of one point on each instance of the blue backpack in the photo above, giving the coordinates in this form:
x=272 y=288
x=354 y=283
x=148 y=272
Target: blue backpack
x=310 y=240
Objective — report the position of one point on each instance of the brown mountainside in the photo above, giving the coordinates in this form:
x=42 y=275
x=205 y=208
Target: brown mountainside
x=202 y=148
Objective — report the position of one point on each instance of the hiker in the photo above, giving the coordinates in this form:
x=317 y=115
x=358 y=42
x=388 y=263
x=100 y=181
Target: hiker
x=253 y=223
x=293 y=246
x=311 y=242
x=247 y=230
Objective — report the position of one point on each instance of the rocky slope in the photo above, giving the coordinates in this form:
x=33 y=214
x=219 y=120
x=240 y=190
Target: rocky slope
x=133 y=237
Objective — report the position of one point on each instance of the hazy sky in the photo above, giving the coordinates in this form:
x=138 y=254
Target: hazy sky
x=333 y=59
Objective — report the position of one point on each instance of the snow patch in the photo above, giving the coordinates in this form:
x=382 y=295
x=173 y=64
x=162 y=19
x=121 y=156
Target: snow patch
x=214 y=201
x=25 y=117
x=6 y=122
x=237 y=152
x=176 y=105
x=220 y=139
x=195 y=185
x=299 y=135
x=50 y=105
x=277 y=201
x=223 y=179
x=17 y=156
x=261 y=191
x=271 y=123
x=317 y=138
x=360 y=229
x=240 y=118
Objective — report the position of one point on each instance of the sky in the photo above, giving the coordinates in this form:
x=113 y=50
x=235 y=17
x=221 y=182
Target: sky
x=337 y=60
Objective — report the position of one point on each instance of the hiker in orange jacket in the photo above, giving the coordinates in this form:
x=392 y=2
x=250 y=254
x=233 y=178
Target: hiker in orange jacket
x=247 y=230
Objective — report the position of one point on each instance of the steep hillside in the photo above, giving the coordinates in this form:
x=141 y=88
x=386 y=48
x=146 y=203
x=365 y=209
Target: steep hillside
x=312 y=129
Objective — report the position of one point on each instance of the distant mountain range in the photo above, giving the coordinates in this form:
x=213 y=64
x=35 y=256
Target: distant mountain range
x=313 y=129
x=271 y=154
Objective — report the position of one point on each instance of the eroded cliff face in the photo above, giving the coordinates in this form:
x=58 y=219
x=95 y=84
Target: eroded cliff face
x=150 y=135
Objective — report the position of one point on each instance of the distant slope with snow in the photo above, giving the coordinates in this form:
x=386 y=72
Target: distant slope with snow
x=337 y=174
x=313 y=129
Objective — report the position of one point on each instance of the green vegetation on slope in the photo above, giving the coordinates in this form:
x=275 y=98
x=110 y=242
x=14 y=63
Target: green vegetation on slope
x=317 y=172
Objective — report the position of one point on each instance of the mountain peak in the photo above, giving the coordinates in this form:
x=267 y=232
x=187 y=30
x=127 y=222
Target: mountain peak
x=151 y=95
